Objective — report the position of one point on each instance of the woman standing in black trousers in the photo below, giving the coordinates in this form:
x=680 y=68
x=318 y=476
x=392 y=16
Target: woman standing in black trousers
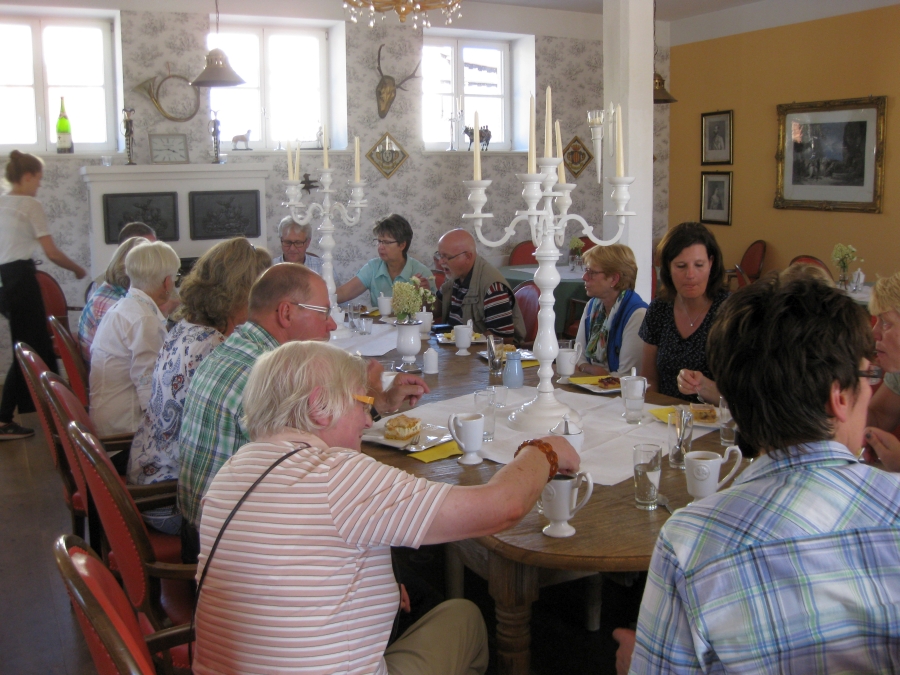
x=22 y=226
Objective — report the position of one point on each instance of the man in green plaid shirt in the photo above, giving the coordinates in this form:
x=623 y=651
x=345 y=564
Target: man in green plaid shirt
x=287 y=303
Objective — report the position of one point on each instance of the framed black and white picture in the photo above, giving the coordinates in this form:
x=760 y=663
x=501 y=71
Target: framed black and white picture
x=159 y=210
x=831 y=155
x=220 y=215
x=716 y=133
x=715 y=197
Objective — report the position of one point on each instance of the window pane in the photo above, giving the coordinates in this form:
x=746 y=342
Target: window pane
x=436 y=111
x=295 y=92
x=86 y=108
x=239 y=109
x=242 y=50
x=490 y=113
x=16 y=55
x=73 y=55
x=482 y=70
x=437 y=69
x=17 y=116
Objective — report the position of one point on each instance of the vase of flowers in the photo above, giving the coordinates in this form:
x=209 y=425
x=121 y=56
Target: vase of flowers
x=576 y=246
x=409 y=297
x=842 y=256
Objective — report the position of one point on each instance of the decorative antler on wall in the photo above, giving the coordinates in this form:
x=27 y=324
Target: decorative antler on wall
x=386 y=91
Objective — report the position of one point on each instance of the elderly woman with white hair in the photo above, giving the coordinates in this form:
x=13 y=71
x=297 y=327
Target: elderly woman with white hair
x=128 y=341
x=300 y=572
x=884 y=408
x=295 y=241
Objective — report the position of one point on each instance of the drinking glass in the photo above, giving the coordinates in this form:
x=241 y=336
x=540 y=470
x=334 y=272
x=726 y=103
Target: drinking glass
x=727 y=426
x=355 y=310
x=484 y=404
x=647 y=470
x=676 y=450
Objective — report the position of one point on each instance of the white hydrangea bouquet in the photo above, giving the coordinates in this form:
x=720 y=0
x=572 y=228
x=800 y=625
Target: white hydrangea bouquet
x=843 y=255
x=409 y=297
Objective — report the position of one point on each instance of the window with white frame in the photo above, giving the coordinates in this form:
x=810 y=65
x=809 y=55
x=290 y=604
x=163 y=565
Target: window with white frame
x=45 y=59
x=282 y=99
x=473 y=74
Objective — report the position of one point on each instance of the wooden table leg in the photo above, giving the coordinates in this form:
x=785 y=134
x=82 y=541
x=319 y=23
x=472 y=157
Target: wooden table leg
x=454 y=573
x=513 y=586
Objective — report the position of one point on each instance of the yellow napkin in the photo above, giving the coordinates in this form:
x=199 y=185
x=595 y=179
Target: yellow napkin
x=374 y=313
x=662 y=414
x=590 y=379
x=442 y=451
x=529 y=364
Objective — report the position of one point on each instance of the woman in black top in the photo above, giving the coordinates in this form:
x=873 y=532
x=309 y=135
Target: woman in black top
x=678 y=321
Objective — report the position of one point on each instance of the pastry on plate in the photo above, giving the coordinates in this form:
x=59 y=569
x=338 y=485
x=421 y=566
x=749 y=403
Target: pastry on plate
x=608 y=382
x=402 y=428
x=704 y=412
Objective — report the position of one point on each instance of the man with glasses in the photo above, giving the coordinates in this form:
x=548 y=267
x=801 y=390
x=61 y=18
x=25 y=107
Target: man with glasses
x=295 y=240
x=288 y=303
x=796 y=567
x=476 y=290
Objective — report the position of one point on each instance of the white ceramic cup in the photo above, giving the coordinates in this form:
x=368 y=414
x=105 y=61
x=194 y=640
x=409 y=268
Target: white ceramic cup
x=426 y=318
x=467 y=430
x=702 y=467
x=559 y=502
x=577 y=440
x=565 y=362
x=462 y=335
x=384 y=305
x=634 y=387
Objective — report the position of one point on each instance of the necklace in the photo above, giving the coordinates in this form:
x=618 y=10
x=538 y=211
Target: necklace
x=696 y=318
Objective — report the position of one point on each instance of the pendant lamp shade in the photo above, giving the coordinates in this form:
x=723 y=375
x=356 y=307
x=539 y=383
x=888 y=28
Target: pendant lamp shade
x=660 y=94
x=218 y=73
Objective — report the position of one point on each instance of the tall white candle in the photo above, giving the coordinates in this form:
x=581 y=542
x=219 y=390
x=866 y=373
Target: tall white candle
x=620 y=150
x=290 y=162
x=297 y=162
x=532 y=141
x=561 y=169
x=548 y=128
x=325 y=146
x=476 y=174
x=356 y=159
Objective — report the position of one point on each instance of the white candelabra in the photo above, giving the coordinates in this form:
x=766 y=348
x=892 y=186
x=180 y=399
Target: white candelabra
x=541 y=192
x=303 y=214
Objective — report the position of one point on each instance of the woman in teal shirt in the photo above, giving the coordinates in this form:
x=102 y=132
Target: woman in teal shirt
x=393 y=236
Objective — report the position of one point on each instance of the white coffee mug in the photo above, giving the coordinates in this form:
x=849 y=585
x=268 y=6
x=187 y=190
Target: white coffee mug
x=468 y=432
x=462 y=335
x=702 y=467
x=565 y=362
x=558 y=502
x=426 y=318
x=384 y=305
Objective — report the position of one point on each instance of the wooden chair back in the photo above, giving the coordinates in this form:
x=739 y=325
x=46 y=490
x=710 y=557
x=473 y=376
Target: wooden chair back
x=812 y=260
x=527 y=296
x=752 y=260
x=71 y=357
x=523 y=254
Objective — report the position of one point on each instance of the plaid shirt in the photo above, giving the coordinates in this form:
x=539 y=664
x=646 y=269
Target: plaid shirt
x=795 y=569
x=97 y=305
x=211 y=429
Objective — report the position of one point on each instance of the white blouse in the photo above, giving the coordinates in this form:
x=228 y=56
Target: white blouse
x=22 y=223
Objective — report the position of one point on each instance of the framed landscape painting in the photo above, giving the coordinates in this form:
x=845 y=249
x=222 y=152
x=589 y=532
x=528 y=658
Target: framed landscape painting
x=831 y=155
x=715 y=197
x=716 y=132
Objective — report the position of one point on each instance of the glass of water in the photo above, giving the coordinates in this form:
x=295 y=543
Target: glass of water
x=484 y=404
x=727 y=426
x=647 y=470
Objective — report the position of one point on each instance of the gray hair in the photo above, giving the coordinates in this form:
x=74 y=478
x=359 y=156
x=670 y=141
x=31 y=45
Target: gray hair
x=149 y=264
x=288 y=223
x=115 y=271
x=279 y=391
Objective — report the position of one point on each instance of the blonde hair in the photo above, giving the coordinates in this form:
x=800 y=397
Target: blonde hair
x=279 y=391
x=805 y=271
x=115 y=271
x=885 y=295
x=615 y=259
x=219 y=283
x=148 y=265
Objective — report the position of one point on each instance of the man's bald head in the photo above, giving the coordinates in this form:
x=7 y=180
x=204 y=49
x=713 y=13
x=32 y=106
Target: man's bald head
x=285 y=281
x=456 y=250
x=459 y=240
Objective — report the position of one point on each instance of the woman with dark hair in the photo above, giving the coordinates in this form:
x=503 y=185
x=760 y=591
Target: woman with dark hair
x=677 y=323
x=23 y=226
x=393 y=237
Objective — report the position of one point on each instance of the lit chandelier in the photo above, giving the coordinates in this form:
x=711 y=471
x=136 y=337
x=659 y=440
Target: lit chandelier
x=417 y=10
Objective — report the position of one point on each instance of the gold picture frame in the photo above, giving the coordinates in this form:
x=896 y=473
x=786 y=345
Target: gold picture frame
x=831 y=155
x=387 y=155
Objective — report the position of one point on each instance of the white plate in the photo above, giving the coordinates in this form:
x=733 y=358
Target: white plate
x=430 y=436
x=527 y=355
x=706 y=425
x=475 y=341
x=594 y=389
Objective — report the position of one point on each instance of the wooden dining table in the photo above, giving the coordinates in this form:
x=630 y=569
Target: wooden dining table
x=612 y=535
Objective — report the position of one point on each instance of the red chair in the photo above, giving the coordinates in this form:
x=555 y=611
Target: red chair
x=114 y=637
x=75 y=495
x=439 y=278
x=588 y=244
x=573 y=317
x=812 y=260
x=523 y=254
x=160 y=588
x=527 y=296
x=750 y=266
x=68 y=351
x=54 y=299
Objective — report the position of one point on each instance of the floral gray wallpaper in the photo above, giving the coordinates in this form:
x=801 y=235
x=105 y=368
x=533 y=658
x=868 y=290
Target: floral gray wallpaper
x=427 y=189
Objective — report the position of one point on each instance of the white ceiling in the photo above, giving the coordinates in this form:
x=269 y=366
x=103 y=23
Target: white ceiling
x=666 y=10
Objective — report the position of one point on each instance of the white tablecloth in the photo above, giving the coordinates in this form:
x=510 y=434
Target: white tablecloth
x=609 y=439
x=382 y=340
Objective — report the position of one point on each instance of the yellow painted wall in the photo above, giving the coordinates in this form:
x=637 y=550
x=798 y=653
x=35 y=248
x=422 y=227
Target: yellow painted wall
x=847 y=56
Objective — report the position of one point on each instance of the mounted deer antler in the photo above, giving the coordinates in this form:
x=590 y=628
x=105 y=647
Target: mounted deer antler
x=386 y=91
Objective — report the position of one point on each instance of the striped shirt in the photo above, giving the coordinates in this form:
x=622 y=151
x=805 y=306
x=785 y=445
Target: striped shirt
x=97 y=305
x=302 y=580
x=211 y=429
x=794 y=569
x=498 y=304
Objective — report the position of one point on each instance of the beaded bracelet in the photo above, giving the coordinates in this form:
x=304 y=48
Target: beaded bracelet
x=549 y=453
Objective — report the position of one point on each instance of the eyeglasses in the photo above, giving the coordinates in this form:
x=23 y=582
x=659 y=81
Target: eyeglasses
x=315 y=308
x=590 y=274
x=285 y=243
x=874 y=375
x=383 y=242
x=448 y=258
x=368 y=400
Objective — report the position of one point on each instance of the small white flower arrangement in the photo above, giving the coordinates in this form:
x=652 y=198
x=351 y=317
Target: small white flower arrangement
x=409 y=297
x=843 y=255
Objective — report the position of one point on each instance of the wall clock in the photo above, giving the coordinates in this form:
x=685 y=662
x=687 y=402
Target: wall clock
x=169 y=149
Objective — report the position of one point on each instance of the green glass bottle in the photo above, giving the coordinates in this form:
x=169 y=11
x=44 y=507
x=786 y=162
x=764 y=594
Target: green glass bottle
x=63 y=130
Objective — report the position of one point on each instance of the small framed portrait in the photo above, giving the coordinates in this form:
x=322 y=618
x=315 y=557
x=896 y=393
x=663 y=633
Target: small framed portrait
x=716 y=134
x=715 y=197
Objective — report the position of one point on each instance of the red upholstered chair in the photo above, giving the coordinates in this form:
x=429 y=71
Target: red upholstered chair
x=527 y=296
x=523 y=254
x=811 y=260
x=33 y=367
x=159 y=587
x=573 y=317
x=751 y=265
x=111 y=629
x=54 y=300
x=439 y=278
x=588 y=244
x=68 y=351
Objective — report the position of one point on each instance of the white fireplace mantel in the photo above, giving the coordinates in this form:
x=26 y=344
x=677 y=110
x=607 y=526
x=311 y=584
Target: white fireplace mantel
x=180 y=178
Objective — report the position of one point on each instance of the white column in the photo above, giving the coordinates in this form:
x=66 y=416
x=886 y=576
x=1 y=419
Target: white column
x=628 y=81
